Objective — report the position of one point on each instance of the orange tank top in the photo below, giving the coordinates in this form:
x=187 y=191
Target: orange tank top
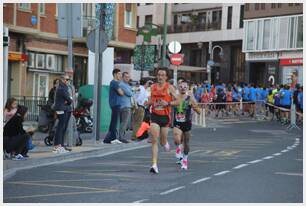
x=158 y=94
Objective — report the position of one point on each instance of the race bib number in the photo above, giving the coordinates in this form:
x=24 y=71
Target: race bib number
x=158 y=106
x=180 y=117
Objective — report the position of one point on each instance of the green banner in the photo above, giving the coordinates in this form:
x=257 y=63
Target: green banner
x=144 y=57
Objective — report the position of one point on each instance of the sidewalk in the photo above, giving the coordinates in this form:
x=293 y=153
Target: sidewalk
x=42 y=155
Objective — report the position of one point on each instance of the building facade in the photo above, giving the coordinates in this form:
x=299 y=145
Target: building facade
x=37 y=55
x=273 y=42
x=199 y=27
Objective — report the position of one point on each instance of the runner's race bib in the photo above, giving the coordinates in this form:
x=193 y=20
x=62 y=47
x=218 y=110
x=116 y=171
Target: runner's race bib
x=180 y=117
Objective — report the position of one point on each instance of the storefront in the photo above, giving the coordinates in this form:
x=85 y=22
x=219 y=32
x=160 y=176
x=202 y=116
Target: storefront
x=291 y=71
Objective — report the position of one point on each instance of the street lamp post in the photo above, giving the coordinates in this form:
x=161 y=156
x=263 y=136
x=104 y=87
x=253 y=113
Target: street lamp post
x=211 y=57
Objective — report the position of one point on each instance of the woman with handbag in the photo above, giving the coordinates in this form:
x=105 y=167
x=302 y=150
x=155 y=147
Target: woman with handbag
x=15 y=138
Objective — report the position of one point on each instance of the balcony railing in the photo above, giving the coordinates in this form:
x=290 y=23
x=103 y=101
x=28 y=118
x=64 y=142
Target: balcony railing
x=194 y=27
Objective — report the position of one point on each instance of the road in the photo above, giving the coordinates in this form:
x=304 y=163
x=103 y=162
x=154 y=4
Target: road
x=251 y=162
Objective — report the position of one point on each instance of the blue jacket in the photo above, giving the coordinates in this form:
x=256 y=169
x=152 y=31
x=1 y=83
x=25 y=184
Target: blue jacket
x=125 y=100
x=62 y=100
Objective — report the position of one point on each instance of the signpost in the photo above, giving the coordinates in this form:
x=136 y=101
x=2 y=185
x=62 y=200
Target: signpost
x=175 y=58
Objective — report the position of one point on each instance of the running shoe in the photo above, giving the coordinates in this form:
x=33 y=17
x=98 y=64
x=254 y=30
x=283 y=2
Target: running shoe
x=184 y=165
x=19 y=157
x=116 y=141
x=178 y=152
x=179 y=161
x=167 y=147
x=124 y=141
x=154 y=169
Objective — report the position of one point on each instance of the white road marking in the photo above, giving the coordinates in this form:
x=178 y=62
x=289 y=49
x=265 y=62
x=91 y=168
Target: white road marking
x=277 y=154
x=268 y=157
x=201 y=180
x=285 y=150
x=288 y=173
x=139 y=201
x=254 y=161
x=289 y=148
x=172 y=190
x=240 y=166
x=221 y=173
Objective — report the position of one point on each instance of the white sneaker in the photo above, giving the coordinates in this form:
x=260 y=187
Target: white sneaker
x=178 y=153
x=60 y=150
x=19 y=157
x=154 y=169
x=167 y=147
x=116 y=141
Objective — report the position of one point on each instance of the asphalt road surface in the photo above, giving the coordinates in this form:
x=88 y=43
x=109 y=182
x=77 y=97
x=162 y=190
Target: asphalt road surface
x=251 y=162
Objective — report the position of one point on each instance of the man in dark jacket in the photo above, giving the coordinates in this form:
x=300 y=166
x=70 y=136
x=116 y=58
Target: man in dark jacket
x=62 y=101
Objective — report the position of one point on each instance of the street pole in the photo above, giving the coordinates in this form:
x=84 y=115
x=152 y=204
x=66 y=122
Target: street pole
x=175 y=76
x=69 y=35
x=5 y=67
x=208 y=66
x=142 y=59
x=164 y=36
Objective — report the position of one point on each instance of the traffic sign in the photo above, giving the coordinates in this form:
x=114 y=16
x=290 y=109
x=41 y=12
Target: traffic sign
x=176 y=59
x=174 y=47
x=91 y=41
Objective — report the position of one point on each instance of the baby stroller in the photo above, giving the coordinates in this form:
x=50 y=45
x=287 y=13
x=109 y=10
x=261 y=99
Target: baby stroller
x=45 y=118
x=49 y=139
x=82 y=116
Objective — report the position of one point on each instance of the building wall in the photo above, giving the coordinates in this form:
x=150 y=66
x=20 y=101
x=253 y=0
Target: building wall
x=8 y=13
x=48 y=21
x=285 y=9
x=126 y=34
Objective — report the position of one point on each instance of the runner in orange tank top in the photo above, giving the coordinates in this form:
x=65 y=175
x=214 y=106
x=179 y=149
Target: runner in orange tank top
x=162 y=98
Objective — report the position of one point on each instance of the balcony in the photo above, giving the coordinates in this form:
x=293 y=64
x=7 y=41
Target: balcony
x=183 y=28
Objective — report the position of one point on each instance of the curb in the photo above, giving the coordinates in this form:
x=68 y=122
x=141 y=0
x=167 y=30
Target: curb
x=62 y=158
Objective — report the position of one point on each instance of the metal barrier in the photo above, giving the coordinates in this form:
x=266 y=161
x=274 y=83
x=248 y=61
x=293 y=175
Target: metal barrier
x=32 y=103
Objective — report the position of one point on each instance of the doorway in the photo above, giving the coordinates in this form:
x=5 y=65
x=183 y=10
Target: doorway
x=258 y=73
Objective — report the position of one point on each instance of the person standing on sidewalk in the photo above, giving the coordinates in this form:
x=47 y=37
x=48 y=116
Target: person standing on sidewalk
x=162 y=94
x=114 y=93
x=183 y=123
x=71 y=123
x=141 y=96
x=61 y=107
x=125 y=106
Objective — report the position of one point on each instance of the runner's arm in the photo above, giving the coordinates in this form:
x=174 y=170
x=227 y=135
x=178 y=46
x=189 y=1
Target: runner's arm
x=194 y=105
x=175 y=98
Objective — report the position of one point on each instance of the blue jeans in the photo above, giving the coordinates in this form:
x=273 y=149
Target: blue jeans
x=112 y=131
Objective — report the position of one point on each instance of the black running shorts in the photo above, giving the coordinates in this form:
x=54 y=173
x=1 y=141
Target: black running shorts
x=161 y=120
x=184 y=126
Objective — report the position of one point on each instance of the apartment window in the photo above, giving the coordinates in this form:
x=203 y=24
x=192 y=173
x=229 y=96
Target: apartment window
x=40 y=61
x=292 y=22
x=202 y=17
x=250 y=35
x=138 y=4
x=87 y=9
x=31 y=59
x=300 y=32
x=256 y=6
x=283 y=32
x=273 y=6
x=51 y=61
x=229 y=17
x=216 y=16
x=247 y=7
x=266 y=34
x=25 y=6
x=279 y=5
x=263 y=6
x=128 y=16
x=259 y=34
x=42 y=8
x=241 y=16
x=148 y=19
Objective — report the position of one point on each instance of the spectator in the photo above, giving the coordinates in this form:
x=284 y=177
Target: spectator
x=141 y=96
x=62 y=104
x=125 y=106
x=285 y=102
x=300 y=99
x=10 y=109
x=70 y=120
x=52 y=92
x=114 y=93
x=15 y=138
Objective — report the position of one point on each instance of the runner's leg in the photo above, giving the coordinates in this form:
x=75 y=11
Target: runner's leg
x=164 y=138
x=177 y=135
x=155 y=132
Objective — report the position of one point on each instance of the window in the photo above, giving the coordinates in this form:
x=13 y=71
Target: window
x=263 y=6
x=149 y=3
x=216 y=16
x=259 y=35
x=292 y=23
x=273 y=6
x=59 y=63
x=137 y=22
x=266 y=34
x=247 y=7
x=229 y=17
x=51 y=61
x=31 y=59
x=279 y=5
x=25 y=6
x=256 y=6
x=283 y=32
x=297 y=4
x=138 y=4
x=40 y=61
x=300 y=32
x=87 y=9
x=241 y=16
x=148 y=19
x=128 y=16
x=42 y=9
x=250 y=35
